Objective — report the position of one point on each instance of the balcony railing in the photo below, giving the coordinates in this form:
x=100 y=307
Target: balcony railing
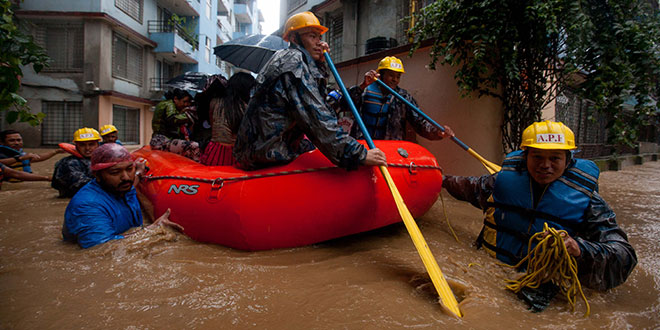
x=157 y=84
x=169 y=27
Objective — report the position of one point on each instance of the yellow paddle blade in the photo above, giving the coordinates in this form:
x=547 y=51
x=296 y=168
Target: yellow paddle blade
x=444 y=291
x=491 y=167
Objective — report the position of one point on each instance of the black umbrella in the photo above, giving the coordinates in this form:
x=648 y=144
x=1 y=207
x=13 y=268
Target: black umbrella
x=250 y=52
x=189 y=81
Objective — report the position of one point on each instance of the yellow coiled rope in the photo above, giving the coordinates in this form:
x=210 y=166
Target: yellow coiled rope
x=444 y=209
x=550 y=261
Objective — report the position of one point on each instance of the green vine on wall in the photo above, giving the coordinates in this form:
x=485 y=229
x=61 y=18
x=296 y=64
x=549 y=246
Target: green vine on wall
x=524 y=52
x=187 y=31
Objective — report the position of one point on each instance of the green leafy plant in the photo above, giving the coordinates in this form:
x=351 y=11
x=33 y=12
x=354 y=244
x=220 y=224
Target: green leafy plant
x=187 y=31
x=524 y=52
x=16 y=49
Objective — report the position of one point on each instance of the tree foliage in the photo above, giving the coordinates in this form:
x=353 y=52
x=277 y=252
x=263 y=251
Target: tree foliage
x=16 y=49
x=523 y=51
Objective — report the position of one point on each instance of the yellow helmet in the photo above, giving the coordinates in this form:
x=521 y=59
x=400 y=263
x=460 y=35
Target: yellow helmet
x=107 y=129
x=548 y=135
x=300 y=21
x=86 y=134
x=390 y=63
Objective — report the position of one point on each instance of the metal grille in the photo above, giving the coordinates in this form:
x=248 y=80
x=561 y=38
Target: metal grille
x=589 y=127
x=126 y=60
x=127 y=121
x=132 y=8
x=63 y=43
x=62 y=119
x=402 y=24
x=335 y=35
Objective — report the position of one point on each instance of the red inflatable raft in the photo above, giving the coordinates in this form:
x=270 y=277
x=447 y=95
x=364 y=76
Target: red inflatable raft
x=307 y=201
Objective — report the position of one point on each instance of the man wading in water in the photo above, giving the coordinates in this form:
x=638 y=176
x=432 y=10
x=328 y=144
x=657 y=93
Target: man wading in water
x=107 y=206
x=540 y=184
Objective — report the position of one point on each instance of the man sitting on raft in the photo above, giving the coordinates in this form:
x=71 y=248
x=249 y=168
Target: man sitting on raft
x=107 y=206
x=288 y=104
x=385 y=116
x=540 y=184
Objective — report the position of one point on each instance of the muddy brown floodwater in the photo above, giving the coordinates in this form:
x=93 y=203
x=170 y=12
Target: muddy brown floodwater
x=374 y=280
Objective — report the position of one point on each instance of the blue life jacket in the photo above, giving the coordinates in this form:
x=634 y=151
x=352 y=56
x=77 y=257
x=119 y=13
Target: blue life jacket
x=23 y=165
x=512 y=219
x=375 y=111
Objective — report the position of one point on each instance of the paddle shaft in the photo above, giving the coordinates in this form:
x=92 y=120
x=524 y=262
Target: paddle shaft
x=420 y=112
x=440 y=283
x=490 y=166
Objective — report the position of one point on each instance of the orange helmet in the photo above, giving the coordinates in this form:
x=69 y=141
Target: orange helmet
x=300 y=21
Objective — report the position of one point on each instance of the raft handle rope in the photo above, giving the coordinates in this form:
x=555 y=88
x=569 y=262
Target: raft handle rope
x=221 y=181
x=549 y=261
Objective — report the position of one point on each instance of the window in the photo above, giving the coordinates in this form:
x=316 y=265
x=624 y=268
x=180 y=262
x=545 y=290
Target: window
x=208 y=9
x=335 y=24
x=132 y=8
x=63 y=43
x=62 y=119
x=126 y=60
x=207 y=54
x=127 y=121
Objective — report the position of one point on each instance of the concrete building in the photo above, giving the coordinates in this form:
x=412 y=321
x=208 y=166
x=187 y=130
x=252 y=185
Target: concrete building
x=362 y=32
x=110 y=58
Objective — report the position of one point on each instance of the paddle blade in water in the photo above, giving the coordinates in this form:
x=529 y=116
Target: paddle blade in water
x=444 y=291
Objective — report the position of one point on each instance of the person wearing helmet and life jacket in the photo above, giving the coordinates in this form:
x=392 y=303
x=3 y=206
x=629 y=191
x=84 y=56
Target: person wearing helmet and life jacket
x=543 y=183
x=385 y=116
x=73 y=172
x=109 y=134
x=288 y=104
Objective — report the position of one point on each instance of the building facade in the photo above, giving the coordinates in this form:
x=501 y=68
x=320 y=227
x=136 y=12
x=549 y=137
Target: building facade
x=110 y=59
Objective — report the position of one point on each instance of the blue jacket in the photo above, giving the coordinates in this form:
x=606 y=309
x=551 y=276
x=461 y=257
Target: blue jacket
x=95 y=216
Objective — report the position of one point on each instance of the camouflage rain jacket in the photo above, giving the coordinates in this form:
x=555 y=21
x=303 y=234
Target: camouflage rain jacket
x=71 y=174
x=398 y=115
x=289 y=103
x=607 y=258
x=168 y=120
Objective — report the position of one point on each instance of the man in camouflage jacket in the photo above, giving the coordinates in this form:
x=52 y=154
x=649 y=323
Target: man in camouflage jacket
x=287 y=115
